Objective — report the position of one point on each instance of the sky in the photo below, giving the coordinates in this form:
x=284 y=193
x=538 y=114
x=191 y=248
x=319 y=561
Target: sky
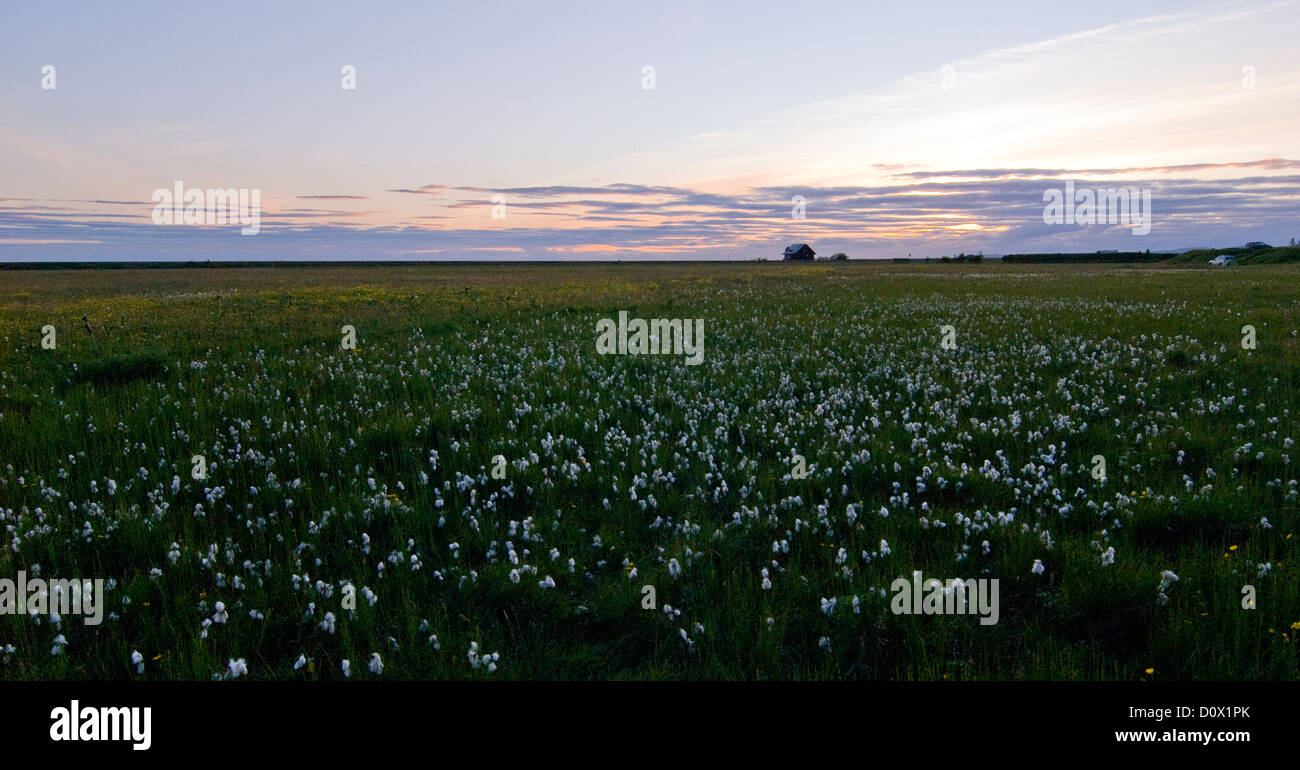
x=643 y=130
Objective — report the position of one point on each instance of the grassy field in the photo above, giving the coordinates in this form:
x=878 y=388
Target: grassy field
x=334 y=473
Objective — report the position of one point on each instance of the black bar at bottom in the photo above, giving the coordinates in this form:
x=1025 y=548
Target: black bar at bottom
x=569 y=720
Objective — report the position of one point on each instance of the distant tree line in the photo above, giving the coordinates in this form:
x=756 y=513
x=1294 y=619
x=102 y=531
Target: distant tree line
x=1109 y=257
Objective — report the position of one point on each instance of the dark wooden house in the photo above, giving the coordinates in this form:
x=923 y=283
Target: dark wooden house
x=799 y=252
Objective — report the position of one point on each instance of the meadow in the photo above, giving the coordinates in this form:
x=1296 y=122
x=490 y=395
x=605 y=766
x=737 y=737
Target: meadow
x=368 y=472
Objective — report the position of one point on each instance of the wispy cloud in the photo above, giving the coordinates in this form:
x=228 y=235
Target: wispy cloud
x=931 y=212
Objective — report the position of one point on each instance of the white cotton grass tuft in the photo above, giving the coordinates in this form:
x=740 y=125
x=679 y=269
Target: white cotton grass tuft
x=488 y=661
x=1108 y=558
x=1167 y=579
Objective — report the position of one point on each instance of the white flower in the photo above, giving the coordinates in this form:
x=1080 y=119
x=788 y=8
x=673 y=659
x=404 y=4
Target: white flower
x=549 y=582
x=1108 y=558
x=300 y=662
x=1038 y=567
x=347 y=667
x=327 y=625
x=1167 y=579
x=237 y=667
x=674 y=568
x=59 y=643
x=137 y=660
x=376 y=663
x=828 y=605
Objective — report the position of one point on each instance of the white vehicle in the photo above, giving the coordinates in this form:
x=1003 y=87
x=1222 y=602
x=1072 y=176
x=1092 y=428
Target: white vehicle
x=1224 y=259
